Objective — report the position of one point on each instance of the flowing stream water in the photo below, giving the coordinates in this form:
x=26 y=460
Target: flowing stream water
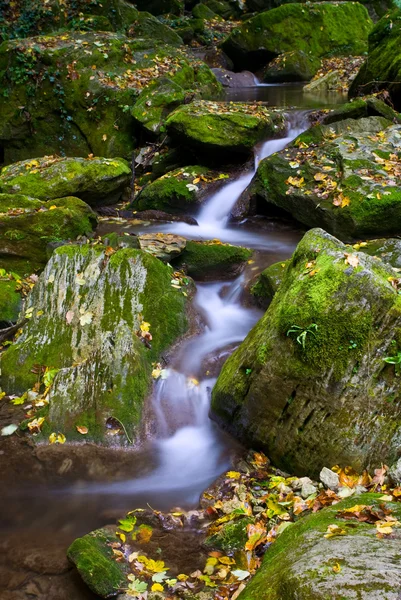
x=186 y=450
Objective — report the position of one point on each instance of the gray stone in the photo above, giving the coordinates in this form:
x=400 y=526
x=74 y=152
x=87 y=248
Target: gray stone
x=308 y=489
x=329 y=478
x=394 y=473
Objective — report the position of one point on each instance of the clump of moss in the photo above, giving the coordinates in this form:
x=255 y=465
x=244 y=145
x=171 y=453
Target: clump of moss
x=203 y=260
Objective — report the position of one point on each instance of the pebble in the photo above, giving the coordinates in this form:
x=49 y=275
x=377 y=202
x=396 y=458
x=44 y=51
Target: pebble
x=329 y=478
x=307 y=488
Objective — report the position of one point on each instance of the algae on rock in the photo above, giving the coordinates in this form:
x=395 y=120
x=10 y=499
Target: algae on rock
x=309 y=383
x=87 y=311
x=203 y=260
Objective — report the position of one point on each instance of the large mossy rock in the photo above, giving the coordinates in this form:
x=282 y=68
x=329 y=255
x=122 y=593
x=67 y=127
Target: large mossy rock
x=319 y=29
x=87 y=310
x=72 y=94
x=178 y=191
x=96 y=181
x=344 y=178
x=370 y=106
x=95 y=561
x=28 y=225
x=309 y=384
x=268 y=282
x=295 y=65
x=217 y=126
x=305 y=565
x=382 y=69
x=208 y=260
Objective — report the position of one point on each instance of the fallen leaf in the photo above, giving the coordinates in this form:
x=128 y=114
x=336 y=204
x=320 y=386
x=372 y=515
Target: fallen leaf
x=82 y=429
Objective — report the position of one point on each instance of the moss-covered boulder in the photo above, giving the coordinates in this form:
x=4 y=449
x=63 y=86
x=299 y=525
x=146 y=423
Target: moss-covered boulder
x=96 y=181
x=220 y=127
x=371 y=106
x=203 y=260
x=28 y=225
x=10 y=298
x=304 y=564
x=344 y=178
x=179 y=191
x=72 y=94
x=295 y=65
x=320 y=29
x=382 y=69
x=267 y=283
x=95 y=561
x=98 y=320
x=309 y=384
x=160 y=98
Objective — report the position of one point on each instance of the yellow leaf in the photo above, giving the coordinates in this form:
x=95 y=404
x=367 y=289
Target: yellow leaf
x=104 y=137
x=61 y=439
x=295 y=181
x=145 y=326
x=334 y=531
x=53 y=438
x=196 y=180
x=320 y=176
x=53 y=207
x=226 y=560
x=384 y=527
x=157 y=587
x=233 y=474
x=121 y=536
x=351 y=259
x=182 y=577
x=82 y=429
x=336 y=568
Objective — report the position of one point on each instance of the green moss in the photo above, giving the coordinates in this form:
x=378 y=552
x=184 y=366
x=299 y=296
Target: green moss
x=304 y=400
x=295 y=65
x=216 y=126
x=300 y=563
x=104 y=368
x=232 y=536
x=28 y=225
x=320 y=29
x=382 y=68
x=208 y=259
x=268 y=282
x=10 y=300
x=93 y=557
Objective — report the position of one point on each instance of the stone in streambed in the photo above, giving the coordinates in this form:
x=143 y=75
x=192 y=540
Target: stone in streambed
x=326 y=83
x=343 y=177
x=371 y=106
x=318 y=29
x=306 y=565
x=291 y=66
x=267 y=283
x=224 y=128
x=204 y=260
x=86 y=315
x=96 y=181
x=382 y=69
x=165 y=246
x=180 y=190
x=28 y=225
x=330 y=479
x=233 y=80
x=297 y=385
x=95 y=561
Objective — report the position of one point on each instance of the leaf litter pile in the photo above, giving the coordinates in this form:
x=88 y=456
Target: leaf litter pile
x=217 y=548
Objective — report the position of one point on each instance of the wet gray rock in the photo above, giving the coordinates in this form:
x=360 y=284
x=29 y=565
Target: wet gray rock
x=329 y=478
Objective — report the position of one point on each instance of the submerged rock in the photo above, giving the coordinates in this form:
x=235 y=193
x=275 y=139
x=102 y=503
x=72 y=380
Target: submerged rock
x=304 y=564
x=96 y=181
x=222 y=127
x=317 y=29
x=382 y=68
x=297 y=386
x=98 y=319
x=28 y=225
x=344 y=178
x=207 y=260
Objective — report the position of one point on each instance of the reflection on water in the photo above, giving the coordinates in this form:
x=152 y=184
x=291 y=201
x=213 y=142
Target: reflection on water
x=290 y=95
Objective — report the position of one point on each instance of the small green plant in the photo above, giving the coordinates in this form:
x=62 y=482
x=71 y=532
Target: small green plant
x=396 y=361
x=302 y=332
x=352 y=345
